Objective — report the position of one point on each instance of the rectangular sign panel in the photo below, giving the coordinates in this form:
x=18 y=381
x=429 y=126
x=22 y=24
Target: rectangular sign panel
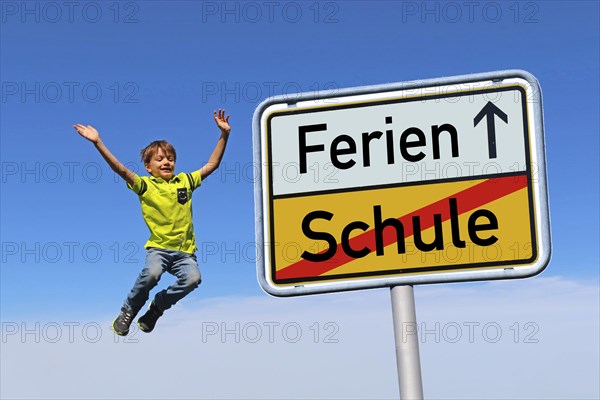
x=419 y=182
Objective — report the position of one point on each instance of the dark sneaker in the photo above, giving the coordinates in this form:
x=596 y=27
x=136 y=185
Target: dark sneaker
x=122 y=323
x=148 y=320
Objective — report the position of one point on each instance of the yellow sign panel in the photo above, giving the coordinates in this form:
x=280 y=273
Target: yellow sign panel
x=447 y=226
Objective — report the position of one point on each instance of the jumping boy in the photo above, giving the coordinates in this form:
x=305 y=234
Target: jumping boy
x=166 y=201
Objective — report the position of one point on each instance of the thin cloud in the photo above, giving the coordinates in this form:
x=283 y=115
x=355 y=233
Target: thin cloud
x=491 y=340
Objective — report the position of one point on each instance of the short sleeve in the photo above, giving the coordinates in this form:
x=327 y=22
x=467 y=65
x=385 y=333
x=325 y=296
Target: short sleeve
x=195 y=179
x=139 y=185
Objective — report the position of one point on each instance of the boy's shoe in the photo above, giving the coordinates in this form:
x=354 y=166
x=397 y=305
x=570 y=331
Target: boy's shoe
x=122 y=322
x=148 y=320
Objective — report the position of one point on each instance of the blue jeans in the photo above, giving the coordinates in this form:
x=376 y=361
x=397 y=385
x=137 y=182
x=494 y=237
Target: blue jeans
x=158 y=261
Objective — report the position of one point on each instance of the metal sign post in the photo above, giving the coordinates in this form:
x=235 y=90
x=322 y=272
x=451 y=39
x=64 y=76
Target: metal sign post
x=401 y=184
x=407 y=342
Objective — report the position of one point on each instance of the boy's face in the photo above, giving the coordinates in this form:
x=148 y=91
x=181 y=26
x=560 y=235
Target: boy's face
x=161 y=165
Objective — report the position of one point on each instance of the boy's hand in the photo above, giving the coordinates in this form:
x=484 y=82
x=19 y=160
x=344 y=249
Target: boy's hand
x=222 y=121
x=88 y=132
x=91 y=134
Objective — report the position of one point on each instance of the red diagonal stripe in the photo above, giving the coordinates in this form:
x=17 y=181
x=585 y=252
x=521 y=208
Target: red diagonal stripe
x=468 y=199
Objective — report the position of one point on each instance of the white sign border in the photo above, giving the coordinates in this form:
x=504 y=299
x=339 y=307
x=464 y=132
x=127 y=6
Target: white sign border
x=539 y=186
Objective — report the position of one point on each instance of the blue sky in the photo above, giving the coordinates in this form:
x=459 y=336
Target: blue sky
x=72 y=234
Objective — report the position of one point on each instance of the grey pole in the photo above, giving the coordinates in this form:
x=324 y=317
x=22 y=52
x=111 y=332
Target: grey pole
x=407 y=342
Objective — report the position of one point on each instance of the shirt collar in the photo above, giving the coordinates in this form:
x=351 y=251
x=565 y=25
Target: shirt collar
x=174 y=179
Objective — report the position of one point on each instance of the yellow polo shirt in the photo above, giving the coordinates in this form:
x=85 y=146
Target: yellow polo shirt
x=167 y=210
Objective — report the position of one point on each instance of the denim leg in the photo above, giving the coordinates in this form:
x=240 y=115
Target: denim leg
x=185 y=268
x=156 y=264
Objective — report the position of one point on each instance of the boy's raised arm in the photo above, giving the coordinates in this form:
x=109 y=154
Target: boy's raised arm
x=91 y=134
x=214 y=161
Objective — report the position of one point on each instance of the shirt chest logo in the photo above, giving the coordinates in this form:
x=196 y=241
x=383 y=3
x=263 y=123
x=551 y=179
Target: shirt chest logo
x=182 y=195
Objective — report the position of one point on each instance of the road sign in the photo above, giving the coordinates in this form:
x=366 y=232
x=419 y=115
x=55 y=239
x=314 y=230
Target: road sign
x=433 y=181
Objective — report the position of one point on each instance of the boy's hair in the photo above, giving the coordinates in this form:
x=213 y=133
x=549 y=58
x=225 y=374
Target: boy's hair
x=149 y=151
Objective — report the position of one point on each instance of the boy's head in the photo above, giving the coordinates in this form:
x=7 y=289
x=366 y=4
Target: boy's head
x=159 y=159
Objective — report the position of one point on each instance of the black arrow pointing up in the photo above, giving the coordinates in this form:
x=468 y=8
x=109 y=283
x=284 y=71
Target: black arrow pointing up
x=490 y=110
